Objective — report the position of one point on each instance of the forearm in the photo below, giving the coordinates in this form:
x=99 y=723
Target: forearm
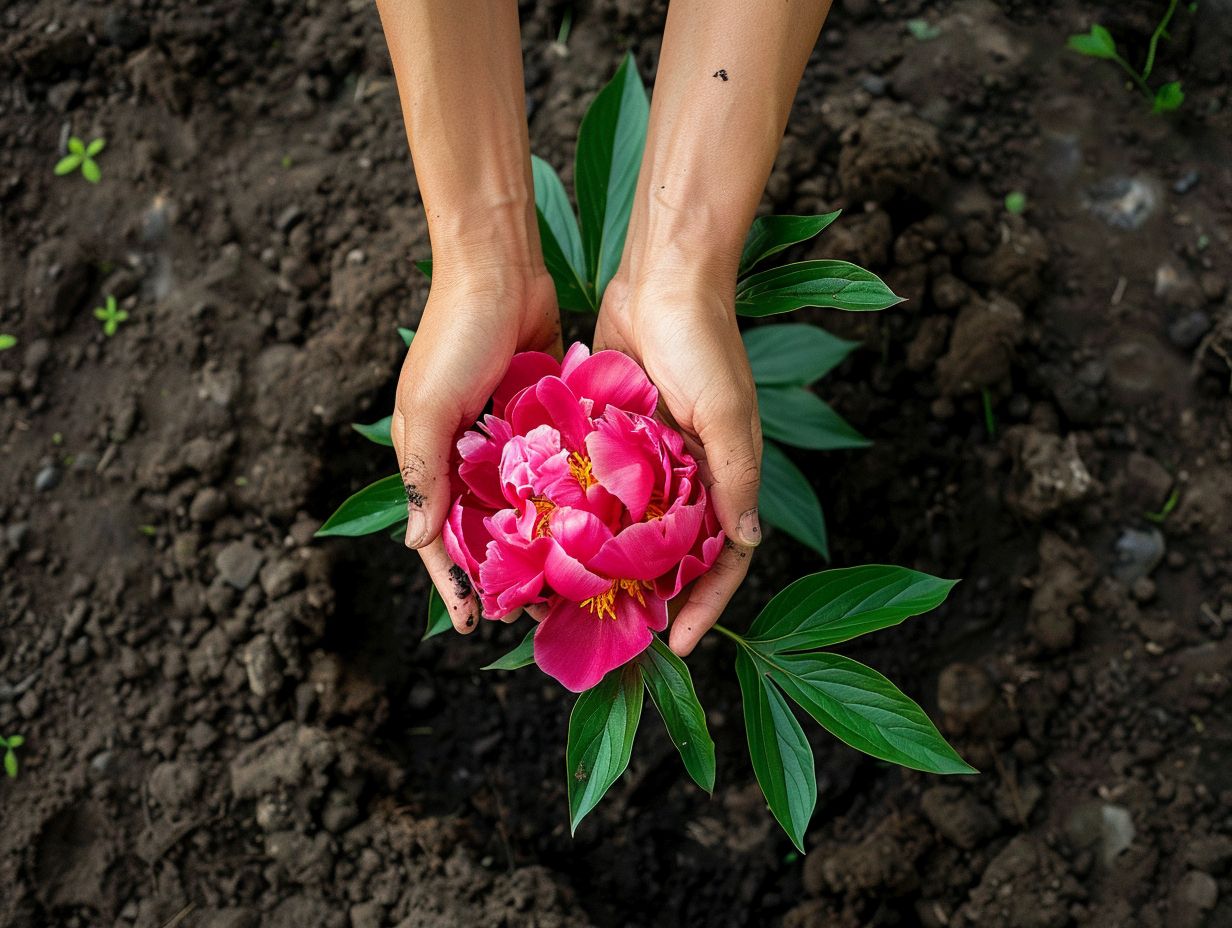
x=727 y=76
x=459 y=71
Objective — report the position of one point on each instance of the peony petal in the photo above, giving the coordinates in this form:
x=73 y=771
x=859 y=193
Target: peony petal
x=569 y=579
x=521 y=461
x=694 y=564
x=611 y=378
x=579 y=533
x=466 y=537
x=577 y=353
x=646 y=550
x=511 y=576
x=525 y=369
x=481 y=455
x=552 y=403
x=625 y=461
x=578 y=648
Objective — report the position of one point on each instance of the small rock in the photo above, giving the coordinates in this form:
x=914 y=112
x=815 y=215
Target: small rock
x=209 y=505
x=28 y=705
x=1187 y=330
x=1138 y=553
x=964 y=693
x=1147 y=482
x=1101 y=825
x=367 y=915
x=1122 y=202
x=47 y=478
x=264 y=666
x=238 y=563
x=1143 y=589
x=174 y=784
x=873 y=84
x=1051 y=473
x=1197 y=889
x=288 y=217
x=1212 y=854
x=278 y=578
x=1187 y=181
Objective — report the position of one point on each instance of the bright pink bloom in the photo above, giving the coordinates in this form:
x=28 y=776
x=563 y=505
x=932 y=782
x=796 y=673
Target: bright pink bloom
x=569 y=493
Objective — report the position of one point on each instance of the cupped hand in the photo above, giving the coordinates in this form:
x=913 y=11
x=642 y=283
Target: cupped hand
x=474 y=322
x=683 y=332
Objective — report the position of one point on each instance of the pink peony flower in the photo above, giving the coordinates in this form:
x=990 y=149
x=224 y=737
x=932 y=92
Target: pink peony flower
x=570 y=494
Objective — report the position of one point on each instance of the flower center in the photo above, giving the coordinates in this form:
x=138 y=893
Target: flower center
x=604 y=605
x=543 y=509
x=653 y=511
x=579 y=466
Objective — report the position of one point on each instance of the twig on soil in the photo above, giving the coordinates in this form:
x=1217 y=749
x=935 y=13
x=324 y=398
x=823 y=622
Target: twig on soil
x=179 y=916
x=1119 y=292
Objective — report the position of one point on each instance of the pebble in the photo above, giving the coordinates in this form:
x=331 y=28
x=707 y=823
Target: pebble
x=1143 y=589
x=29 y=705
x=964 y=692
x=873 y=84
x=1138 y=553
x=1187 y=181
x=1122 y=202
x=237 y=564
x=1187 y=330
x=1198 y=889
x=208 y=505
x=47 y=478
x=264 y=667
x=1102 y=825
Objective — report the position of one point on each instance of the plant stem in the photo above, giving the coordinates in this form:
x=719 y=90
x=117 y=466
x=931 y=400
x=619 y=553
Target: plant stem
x=1135 y=77
x=566 y=25
x=729 y=633
x=1155 y=37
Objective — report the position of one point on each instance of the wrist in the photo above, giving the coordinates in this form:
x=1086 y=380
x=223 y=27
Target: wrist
x=489 y=234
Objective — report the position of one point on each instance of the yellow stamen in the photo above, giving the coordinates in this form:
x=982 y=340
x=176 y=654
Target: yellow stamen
x=603 y=605
x=654 y=511
x=543 y=509
x=634 y=589
x=579 y=466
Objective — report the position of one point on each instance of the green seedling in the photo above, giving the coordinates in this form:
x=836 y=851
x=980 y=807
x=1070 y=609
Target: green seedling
x=922 y=30
x=10 y=745
x=1166 y=510
x=110 y=316
x=7 y=341
x=80 y=155
x=1015 y=202
x=990 y=417
x=1098 y=43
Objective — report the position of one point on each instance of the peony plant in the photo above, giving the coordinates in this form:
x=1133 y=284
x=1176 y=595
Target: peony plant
x=574 y=502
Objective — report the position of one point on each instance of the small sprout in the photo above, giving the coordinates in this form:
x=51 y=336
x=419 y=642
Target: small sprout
x=241 y=481
x=1098 y=43
x=921 y=30
x=7 y=341
x=990 y=417
x=10 y=745
x=148 y=530
x=1204 y=242
x=1166 y=510
x=57 y=438
x=110 y=316
x=81 y=155
x=1015 y=202
x=286 y=162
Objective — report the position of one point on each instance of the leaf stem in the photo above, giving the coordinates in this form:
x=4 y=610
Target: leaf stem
x=1155 y=37
x=723 y=630
x=1135 y=77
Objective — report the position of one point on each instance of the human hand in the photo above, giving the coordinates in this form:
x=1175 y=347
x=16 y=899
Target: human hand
x=681 y=328
x=475 y=320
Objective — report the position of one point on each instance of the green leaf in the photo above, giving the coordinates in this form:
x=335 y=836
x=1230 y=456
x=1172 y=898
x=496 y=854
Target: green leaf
x=377 y=506
x=601 y=729
x=609 y=156
x=671 y=690
x=10 y=764
x=438 y=615
x=832 y=606
x=1015 y=202
x=76 y=145
x=67 y=165
x=1097 y=43
x=16 y=741
x=95 y=147
x=377 y=432
x=397 y=531
x=828 y=284
x=562 y=242
x=7 y=341
x=1168 y=97
x=90 y=171
x=798 y=417
x=782 y=758
x=864 y=710
x=922 y=30
x=794 y=353
x=521 y=656
x=771 y=234
x=787 y=501
x=424 y=267
x=407 y=336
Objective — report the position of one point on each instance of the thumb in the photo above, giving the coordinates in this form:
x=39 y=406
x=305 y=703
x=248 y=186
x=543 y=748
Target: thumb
x=733 y=457
x=423 y=440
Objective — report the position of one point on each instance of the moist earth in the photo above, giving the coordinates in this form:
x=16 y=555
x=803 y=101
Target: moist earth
x=228 y=723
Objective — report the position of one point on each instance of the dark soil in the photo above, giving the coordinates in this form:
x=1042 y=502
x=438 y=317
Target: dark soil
x=229 y=724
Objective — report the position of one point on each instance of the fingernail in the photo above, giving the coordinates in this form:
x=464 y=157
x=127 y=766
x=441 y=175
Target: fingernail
x=749 y=528
x=416 y=527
